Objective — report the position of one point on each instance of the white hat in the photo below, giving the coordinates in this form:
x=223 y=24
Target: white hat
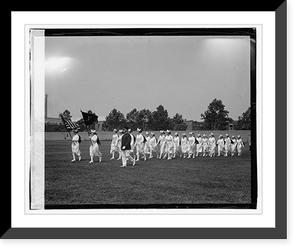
x=93 y=131
x=198 y=134
x=176 y=134
x=168 y=131
x=161 y=131
x=139 y=130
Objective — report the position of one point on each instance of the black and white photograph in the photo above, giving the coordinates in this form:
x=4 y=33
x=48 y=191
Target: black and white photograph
x=148 y=118
x=149 y=125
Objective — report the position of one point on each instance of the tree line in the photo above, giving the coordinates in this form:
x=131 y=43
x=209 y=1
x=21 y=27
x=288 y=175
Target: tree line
x=145 y=119
x=216 y=117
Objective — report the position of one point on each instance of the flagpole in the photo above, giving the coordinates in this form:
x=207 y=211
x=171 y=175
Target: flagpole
x=70 y=135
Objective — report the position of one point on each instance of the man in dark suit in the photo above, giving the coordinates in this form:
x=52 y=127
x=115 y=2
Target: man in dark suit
x=126 y=145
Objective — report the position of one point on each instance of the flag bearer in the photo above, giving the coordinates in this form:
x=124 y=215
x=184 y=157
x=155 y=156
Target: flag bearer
x=94 y=147
x=75 y=146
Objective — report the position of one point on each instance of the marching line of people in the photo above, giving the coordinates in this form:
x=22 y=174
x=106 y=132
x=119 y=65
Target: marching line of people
x=135 y=148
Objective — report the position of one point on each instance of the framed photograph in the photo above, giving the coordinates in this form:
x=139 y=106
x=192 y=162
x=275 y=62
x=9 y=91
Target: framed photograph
x=139 y=62
x=152 y=130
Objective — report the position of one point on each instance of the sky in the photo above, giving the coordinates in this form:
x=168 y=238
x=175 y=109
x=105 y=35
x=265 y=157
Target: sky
x=182 y=73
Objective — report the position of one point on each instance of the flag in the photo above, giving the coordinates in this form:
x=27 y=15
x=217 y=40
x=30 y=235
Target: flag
x=89 y=118
x=69 y=124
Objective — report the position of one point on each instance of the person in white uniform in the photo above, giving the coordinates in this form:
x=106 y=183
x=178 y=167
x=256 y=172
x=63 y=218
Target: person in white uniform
x=177 y=149
x=120 y=134
x=205 y=149
x=114 y=144
x=153 y=146
x=220 y=144
x=184 y=145
x=169 y=145
x=192 y=145
x=227 y=146
x=212 y=145
x=94 y=147
x=162 y=144
x=239 y=145
x=140 y=145
x=233 y=145
x=147 y=146
x=76 y=139
x=199 y=145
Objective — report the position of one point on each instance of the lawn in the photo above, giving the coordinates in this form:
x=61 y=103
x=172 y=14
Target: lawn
x=203 y=180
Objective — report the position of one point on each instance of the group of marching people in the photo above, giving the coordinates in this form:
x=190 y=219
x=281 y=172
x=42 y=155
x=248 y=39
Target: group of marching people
x=94 y=149
x=166 y=146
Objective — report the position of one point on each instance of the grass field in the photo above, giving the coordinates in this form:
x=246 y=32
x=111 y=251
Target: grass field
x=202 y=180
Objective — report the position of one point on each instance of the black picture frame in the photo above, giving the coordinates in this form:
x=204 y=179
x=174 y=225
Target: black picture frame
x=278 y=232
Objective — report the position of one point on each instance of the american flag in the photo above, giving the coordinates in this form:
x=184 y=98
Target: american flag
x=69 y=124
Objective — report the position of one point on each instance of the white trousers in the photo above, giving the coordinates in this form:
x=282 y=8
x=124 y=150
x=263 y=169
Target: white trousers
x=126 y=154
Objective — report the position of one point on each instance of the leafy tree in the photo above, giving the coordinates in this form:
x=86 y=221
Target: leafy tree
x=244 y=121
x=216 y=116
x=114 y=120
x=138 y=119
x=177 y=122
x=160 y=119
x=143 y=118
x=131 y=118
